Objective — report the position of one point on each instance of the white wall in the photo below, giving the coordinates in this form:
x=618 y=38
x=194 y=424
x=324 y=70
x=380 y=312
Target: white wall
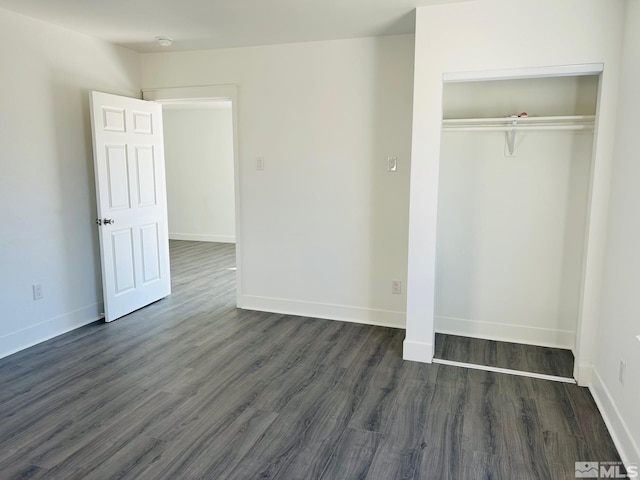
x=620 y=312
x=510 y=232
x=198 y=143
x=46 y=180
x=324 y=226
x=479 y=36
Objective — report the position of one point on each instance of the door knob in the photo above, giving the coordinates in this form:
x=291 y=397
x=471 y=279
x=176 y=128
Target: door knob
x=98 y=221
x=108 y=221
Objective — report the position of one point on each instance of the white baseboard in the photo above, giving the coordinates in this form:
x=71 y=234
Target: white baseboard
x=618 y=429
x=417 y=351
x=545 y=337
x=196 y=237
x=383 y=318
x=43 y=331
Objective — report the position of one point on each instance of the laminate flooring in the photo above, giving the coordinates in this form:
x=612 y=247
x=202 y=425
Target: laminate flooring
x=515 y=356
x=193 y=388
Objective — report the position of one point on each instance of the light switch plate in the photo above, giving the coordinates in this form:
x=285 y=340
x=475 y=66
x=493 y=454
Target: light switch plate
x=392 y=164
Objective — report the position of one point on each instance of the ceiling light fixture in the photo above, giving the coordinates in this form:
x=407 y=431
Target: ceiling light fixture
x=164 y=41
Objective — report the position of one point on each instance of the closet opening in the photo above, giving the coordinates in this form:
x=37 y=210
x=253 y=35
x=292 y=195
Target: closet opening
x=513 y=202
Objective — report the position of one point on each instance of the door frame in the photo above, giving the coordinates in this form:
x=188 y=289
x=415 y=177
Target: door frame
x=212 y=93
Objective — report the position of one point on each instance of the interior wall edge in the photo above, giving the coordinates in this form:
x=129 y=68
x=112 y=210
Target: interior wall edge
x=41 y=332
x=344 y=313
x=544 y=337
x=618 y=429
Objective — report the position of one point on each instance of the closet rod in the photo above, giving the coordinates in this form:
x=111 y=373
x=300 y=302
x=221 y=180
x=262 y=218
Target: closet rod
x=579 y=119
x=498 y=128
x=513 y=124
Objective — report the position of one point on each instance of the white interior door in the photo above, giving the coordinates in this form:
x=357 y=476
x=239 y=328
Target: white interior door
x=132 y=206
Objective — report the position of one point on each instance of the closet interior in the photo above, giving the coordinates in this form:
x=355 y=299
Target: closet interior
x=515 y=174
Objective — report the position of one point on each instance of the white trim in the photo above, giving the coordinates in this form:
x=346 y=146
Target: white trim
x=583 y=373
x=48 y=329
x=545 y=337
x=519 y=373
x=197 y=237
x=344 y=313
x=190 y=94
x=519 y=73
x=618 y=428
x=417 y=351
x=209 y=93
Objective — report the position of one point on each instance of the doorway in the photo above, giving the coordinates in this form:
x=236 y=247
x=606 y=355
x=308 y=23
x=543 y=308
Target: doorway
x=205 y=98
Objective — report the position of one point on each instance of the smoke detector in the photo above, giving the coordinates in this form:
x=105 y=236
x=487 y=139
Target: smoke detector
x=164 y=41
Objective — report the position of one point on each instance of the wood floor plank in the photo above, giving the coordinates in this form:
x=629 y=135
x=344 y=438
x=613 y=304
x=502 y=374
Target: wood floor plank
x=353 y=456
x=565 y=449
x=526 y=439
x=374 y=410
x=514 y=356
x=400 y=466
x=484 y=414
x=250 y=470
x=60 y=435
x=482 y=466
x=441 y=455
x=398 y=453
x=300 y=444
x=128 y=463
x=212 y=451
x=25 y=471
x=450 y=393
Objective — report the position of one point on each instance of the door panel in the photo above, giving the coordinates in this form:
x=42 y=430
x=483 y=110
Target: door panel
x=131 y=197
x=150 y=253
x=143 y=123
x=146 y=163
x=123 y=265
x=118 y=177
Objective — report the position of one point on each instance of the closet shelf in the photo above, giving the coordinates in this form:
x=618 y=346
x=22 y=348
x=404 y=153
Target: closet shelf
x=508 y=124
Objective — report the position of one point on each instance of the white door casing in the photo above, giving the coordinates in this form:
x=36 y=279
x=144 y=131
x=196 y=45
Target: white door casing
x=131 y=198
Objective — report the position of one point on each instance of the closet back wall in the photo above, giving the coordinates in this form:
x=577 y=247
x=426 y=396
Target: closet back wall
x=511 y=229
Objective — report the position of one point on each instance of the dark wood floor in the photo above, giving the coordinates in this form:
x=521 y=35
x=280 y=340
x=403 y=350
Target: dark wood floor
x=192 y=388
x=515 y=356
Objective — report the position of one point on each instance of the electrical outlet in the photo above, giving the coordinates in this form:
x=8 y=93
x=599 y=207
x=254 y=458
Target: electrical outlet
x=396 y=287
x=622 y=371
x=260 y=163
x=37 y=291
x=392 y=164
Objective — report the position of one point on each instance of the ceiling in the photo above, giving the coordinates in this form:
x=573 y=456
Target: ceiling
x=204 y=24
